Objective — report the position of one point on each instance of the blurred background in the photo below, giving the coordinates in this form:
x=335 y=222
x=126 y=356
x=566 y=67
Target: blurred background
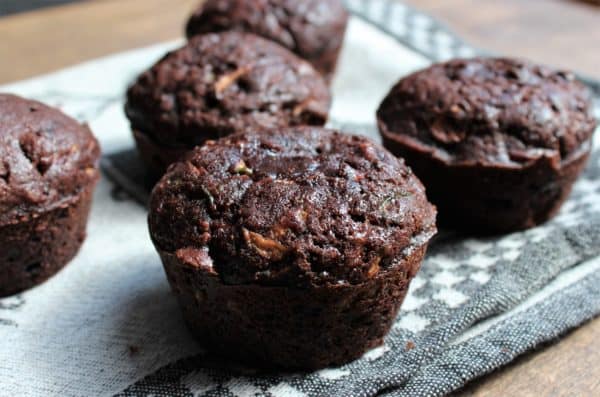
x=564 y=33
x=13 y=6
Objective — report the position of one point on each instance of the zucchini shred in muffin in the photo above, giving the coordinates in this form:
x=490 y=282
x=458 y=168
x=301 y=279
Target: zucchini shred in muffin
x=48 y=171
x=497 y=142
x=219 y=84
x=291 y=248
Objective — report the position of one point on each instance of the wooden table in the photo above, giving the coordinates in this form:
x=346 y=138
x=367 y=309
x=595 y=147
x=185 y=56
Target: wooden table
x=558 y=32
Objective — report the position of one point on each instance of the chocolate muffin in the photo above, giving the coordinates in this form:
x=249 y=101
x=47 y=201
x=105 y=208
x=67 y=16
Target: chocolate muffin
x=216 y=85
x=292 y=249
x=497 y=142
x=48 y=171
x=313 y=29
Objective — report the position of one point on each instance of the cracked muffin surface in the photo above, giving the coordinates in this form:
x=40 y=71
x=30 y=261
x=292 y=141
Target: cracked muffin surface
x=46 y=158
x=490 y=111
x=48 y=171
x=301 y=206
x=312 y=29
x=222 y=83
x=498 y=142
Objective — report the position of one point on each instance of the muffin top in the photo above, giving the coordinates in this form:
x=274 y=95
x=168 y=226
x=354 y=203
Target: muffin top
x=492 y=111
x=223 y=83
x=301 y=207
x=46 y=158
x=309 y=28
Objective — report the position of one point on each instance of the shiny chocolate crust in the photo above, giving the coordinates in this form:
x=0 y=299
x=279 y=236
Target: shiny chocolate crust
x=48 y=169
x=313 y=29
x=497 y=142
x=219 y=84
x=300 y=206
x=307 y=233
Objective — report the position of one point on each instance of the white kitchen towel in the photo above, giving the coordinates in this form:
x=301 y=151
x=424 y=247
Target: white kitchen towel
x=107 y=324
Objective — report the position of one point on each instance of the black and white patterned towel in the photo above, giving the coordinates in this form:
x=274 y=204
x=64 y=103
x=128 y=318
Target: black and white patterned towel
x=108 y=325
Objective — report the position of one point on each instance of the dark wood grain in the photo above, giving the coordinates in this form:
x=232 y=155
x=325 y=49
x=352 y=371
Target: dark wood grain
x=568 y=367
x=564 y=33
x=55 y=37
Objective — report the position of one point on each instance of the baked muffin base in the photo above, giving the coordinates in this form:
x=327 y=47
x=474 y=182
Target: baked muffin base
x=34 y=249
x=484 y=199
x=157 y=158
x=275 y=327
